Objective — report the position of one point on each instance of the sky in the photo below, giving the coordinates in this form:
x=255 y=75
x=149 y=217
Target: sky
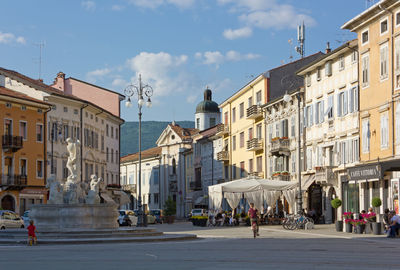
x=178 y=46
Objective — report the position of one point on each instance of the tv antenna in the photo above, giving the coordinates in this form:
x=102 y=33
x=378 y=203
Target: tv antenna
x=41 y=45
x=301 y=31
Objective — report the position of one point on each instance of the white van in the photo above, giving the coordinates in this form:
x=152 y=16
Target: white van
x=198 y=212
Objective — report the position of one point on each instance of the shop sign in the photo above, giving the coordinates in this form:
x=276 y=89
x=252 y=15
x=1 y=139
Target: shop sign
x=364 y=172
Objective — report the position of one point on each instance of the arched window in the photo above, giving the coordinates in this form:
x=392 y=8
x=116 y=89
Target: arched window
x=173 y=166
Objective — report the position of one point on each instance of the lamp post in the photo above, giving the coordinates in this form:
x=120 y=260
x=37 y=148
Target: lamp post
x=140 y=91
x=286 y=99
x=56 y=130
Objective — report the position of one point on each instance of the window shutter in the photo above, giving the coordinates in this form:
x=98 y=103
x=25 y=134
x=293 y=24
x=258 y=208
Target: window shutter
x=339 y=109
x=322 y=112
x=316 y=113
x=345 y=103
x=305 y=117
x=351 y=100
x=311 y=115
x=356 y=108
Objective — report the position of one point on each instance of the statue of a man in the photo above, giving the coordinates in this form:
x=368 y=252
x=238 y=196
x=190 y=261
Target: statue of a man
x=56 y=190
x=93 y=194
x=73 y=151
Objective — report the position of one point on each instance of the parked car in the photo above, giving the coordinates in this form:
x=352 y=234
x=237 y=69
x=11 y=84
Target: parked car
x=10 y=219
x=158 y=213
x=25 y=218
x=198 y=212
x=127 y=218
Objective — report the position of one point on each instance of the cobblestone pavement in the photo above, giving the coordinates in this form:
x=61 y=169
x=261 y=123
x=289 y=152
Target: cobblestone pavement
x=218 y=248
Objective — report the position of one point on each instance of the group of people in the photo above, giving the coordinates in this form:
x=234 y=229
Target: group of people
x=392 y=223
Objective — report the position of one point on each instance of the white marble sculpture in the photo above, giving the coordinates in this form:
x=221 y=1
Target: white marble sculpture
x=93 y=194
x=72 y=149
x=70 y=192
x=56 y=190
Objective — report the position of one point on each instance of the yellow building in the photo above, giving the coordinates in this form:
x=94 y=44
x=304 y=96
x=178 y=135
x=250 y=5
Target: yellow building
x=23 y=159
x=378 y=32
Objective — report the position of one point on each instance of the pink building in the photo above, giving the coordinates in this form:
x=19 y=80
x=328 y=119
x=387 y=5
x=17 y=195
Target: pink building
x=102 y=97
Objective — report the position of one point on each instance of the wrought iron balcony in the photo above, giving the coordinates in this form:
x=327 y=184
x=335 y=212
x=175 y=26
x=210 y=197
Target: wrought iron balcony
x=223 y=156
x=253 y=112
x=222 y=129
x=280 y=146
x=325 y=175
x=254 y=144
x=13 y=180
x=11 y=143
x=281 y=176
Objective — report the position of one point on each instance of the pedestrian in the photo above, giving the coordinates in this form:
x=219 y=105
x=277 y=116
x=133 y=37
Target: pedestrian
x=386 y=221
x=253 y=214
x=394 y=224
x=32 y=233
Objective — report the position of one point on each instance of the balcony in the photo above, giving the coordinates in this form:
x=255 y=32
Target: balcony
x=253 y=112
x=13 y=180
x=281 y=176
x=223 y=156
x=325 y=175
x=254 y=144
x=280 y=146
x=222 y=129
x=129 y=188
x=11 y=143
x=195 y=185
x=173 y=186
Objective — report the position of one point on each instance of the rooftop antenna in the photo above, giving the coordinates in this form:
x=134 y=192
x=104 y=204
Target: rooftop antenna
x=41 y=45
x=301 y=30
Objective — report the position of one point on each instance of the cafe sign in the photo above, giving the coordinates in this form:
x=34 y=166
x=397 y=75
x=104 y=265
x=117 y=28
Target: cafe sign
x=364 y=172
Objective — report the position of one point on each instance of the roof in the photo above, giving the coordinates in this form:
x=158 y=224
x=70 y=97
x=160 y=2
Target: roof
x=183 y=133
x=149 y=153
x=206 y=133
x=284 y=79
x=108 y=90
x=207 y=105
x=10 y=93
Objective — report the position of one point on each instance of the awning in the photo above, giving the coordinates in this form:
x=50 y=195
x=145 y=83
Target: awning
x=107 y=198
x=307 y=181
x=124 y=198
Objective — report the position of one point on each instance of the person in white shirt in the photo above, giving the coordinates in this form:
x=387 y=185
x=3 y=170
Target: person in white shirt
x=394 y=224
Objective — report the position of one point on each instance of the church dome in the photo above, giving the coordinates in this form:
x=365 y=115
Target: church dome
x=207 y=105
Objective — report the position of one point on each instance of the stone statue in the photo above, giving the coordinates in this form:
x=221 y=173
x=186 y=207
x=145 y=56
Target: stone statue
x=81 y=191
x=93 y=194
x=56 y=190
x=72 y=149
x=70 y=192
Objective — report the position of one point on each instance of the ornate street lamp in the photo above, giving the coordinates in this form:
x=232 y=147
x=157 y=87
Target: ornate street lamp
x=140 y=91
x=286 y=99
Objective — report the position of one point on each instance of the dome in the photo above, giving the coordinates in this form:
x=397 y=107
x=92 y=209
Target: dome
x=207 y=105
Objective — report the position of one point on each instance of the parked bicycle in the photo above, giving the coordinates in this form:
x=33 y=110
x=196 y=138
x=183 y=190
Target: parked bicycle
x=293 y=222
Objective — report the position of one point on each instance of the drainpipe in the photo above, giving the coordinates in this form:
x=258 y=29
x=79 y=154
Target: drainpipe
x=159 y=182
x=81 y=144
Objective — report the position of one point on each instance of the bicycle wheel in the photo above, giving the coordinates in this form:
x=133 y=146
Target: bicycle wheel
x=292 y=225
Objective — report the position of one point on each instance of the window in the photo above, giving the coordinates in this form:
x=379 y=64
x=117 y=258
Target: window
x=293 y=160
x=112 y=132
x=328 y=68
x=75 y=111
x=259 y=164
x=226 y=172
x=234 y=143
x=366 y=134
x=353 y=99
x=365 y=70
x=354 y=57
x=241 y=110
x=8 y=105
x=284 y=128
x=112 y=155
x=107 y=154
x=277 y=130
x=242 y=171
x=384 y=61
x=308 y=79
x=384 y=131
x=23 y=167
x=259 y=131
x=250 y=165
x=156 y=198
x=226 y=118
x=39 y=169
x=397 y=18
x=292 y=126
x=233 y=114
x=364 y=37
x=258 y=97
x=270 y=127
x=250 y=133
x=107 y=130
x=356 y=153
x=329 y=111
x=39 y=132
x=397 y=61
x=308 y=116
x=23 y=130
x=384 y=26
x=156 y=178
x=319 y=112
x=342 y=104
x=341 y=62
x=116 y=156
x=318 y=73
x=65 y=169
x=212 y=121
x=65 y=131
x=23 y=108
x=241 y=139
x=250 y=101
x=198 y=123
x=271 y=165
x=65 y=109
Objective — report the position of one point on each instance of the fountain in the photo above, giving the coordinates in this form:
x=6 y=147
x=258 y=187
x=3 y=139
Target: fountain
x=70 y=206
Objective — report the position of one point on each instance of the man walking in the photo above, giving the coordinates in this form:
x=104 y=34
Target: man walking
x=253 y=212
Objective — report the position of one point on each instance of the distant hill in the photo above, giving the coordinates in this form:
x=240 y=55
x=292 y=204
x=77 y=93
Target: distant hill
x=151 y=130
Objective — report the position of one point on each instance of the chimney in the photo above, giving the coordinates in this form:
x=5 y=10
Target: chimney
x=59 y=81
x=328 y=48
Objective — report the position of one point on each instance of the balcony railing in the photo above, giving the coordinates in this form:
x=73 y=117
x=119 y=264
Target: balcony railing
x=254 y=144
x=195 y=185
x=253 y=112
x=129 y=187
x=281 y=176
x=223 y=156
x=222 y=129
x=173 y=186
x=280 y=146
x=325 y=175
x=13 y=180
x=11 y=143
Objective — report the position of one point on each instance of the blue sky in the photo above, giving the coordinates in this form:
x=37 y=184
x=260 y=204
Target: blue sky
x=179 y=46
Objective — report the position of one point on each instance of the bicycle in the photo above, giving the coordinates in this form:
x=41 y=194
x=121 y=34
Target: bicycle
x=293 y=222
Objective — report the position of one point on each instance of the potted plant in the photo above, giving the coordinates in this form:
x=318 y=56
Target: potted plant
x=359 y=225
x=336 y=203
x=347 y=219
x=169 y=210
x=376 y=226
x=199 y=221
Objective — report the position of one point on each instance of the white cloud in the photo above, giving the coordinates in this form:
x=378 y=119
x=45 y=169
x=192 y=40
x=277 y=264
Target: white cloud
x=88 y=5
x=117 y=7
x=119 y=83
x=217 y=58
x=7 y=38
x=163 y=71
x=238 y=33
x=192 y=98
x=157 y=3
x=94 y=75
